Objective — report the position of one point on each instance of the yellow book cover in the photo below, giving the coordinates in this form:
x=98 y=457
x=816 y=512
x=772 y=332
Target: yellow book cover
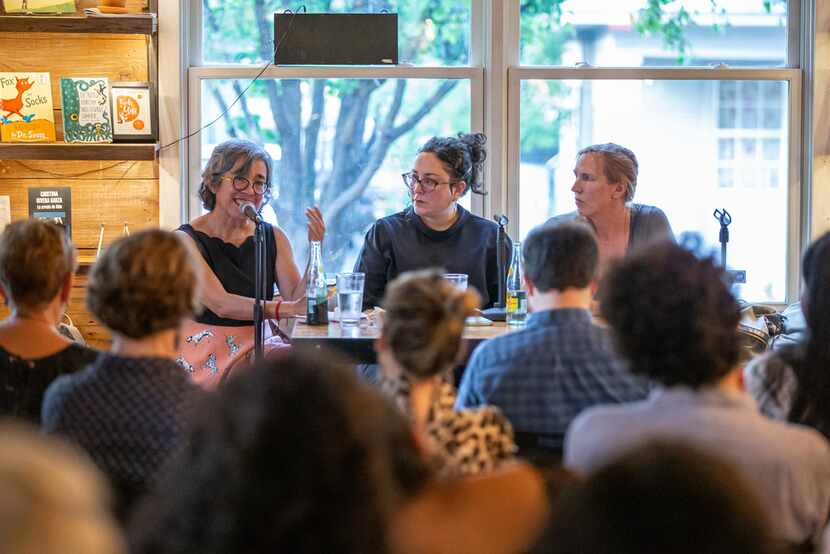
x=26 y=107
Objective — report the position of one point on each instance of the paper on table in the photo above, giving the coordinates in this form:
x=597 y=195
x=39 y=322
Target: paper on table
x=5 y=212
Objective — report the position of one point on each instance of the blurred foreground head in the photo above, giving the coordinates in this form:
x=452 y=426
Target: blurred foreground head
x=293 y=455
x=52 y=500
x=657 y=499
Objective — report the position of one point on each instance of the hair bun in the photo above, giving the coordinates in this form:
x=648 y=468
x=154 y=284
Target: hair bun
x=475 y=144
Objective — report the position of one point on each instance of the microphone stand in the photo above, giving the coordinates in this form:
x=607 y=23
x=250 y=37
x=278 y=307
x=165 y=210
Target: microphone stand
x=499 y=310
x=724 y=218
x=259 y=288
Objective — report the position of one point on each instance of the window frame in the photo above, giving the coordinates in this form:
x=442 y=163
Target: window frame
x=799 y=122
x=198 y=71
x=495 y=76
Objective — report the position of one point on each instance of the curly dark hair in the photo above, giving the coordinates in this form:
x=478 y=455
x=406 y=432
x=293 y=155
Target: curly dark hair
x=560 y=256
x=36 y=257
x=661 y=497
x=144 y=283
x=672 y=315
x=293 y=455
x=463 y=157
x=222 y=160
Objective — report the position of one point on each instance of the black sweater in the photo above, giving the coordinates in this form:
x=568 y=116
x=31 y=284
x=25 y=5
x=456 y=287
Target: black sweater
x=402 y=242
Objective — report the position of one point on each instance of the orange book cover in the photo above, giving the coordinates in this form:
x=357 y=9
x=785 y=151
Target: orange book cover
x=26 y=107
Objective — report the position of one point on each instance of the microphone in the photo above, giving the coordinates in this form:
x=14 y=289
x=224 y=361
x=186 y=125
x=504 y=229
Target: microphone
x=249 y=211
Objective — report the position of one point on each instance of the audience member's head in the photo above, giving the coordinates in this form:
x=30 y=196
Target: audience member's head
x=36 y=264
x=144 y=284
x=294 y=455
x=618 y=163
x=560 y=257
x=811 y=402
x=672 y=316
x=424 y=322
x=52 y=501
x=657 y=499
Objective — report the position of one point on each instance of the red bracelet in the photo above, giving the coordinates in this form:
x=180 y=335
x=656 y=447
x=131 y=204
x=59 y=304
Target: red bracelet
x=277 y=310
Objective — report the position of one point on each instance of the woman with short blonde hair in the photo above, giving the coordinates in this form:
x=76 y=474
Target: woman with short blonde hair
x=128 y=409
x=36 y=266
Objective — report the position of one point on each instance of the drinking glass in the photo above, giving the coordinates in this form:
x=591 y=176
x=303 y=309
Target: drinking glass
x=350 y=297
x=457 y=280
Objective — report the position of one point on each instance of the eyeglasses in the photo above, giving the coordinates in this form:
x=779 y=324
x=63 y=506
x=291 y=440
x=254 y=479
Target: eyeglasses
x=428 y=184
x=241 y=183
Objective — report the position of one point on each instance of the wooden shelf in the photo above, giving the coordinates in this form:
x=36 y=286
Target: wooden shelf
x=136 y=24
x=63 y=151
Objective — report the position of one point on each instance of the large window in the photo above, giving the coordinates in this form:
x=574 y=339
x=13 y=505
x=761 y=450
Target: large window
x=700 y=90
x=707 y=93
x=340 y=137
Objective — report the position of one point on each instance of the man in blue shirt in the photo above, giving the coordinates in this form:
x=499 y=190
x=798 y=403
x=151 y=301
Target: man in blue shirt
x=544 y=375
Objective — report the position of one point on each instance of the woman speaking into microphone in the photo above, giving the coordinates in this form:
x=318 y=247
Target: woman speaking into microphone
x=236 y=182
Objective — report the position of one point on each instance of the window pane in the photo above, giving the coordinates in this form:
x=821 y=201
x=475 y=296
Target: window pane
x=429 y=33
x=333 y=146
x=689 y=163
x=650 y=33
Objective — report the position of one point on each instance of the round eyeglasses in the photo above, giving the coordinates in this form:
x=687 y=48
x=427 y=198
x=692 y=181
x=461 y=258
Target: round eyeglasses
x=428 y=184
x=241 y=183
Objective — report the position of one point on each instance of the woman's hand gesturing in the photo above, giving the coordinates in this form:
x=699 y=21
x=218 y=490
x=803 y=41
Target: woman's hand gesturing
x=316 y=225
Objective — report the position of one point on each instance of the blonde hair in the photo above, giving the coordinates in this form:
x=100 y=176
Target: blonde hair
x=52 y=500
x=424 y=321
x=144 y=283
x=36 y=257
x=619 y=165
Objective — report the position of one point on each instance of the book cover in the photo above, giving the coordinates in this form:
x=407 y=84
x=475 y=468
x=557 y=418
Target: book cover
x=26 y=107
x=5 y=211
x=54 y=204
x=39 y=6
x=132 y=115
x=87 y=116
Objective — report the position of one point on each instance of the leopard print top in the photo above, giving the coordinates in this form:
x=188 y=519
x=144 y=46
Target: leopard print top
x=465 y=442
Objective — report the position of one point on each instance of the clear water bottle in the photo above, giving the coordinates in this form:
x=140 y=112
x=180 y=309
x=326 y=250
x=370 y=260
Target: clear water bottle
x=317 y=312
x=516 y=293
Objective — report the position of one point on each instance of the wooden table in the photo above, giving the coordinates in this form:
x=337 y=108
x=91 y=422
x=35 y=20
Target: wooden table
x=357 y=341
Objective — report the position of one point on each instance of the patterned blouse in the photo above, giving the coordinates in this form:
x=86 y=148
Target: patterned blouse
x=466 y=442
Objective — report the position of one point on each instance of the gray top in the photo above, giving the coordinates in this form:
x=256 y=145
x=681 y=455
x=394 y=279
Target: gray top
x=648 y=223
x=788 y=464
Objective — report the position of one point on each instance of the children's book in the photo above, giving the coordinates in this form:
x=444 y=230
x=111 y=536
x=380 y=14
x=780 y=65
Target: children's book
x=26 y=107
x=87 y=116
x=39 y=6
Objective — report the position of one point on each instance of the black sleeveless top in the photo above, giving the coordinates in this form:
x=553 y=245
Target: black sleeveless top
x=234 y=267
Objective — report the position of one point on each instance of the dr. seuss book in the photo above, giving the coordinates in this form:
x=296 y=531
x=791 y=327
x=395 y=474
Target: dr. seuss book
x=86 y=109
x=26 y=108
x=39 y=6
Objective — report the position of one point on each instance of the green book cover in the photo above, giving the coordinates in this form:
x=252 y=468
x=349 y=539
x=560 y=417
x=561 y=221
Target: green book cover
x=87 y=116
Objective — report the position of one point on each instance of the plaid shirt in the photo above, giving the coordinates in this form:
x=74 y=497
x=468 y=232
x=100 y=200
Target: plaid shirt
x=544 y=375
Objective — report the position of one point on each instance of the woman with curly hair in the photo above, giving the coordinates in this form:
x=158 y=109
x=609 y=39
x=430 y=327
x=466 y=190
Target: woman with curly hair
x=793 y=384
x=128 y=409
x=675 y=321
x=298 y=455
x=36 y=266
x=419 y=345
x=435 y=231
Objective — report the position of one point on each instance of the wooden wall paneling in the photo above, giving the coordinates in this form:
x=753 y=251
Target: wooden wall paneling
x=112 y=203
x=103 y=170
x=116 y=57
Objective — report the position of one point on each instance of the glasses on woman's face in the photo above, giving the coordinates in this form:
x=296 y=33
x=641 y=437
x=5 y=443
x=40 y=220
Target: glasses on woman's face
x=428 y=184
x=241 y=183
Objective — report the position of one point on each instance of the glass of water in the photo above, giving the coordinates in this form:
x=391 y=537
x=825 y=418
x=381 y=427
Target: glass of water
x=350 y=297
x=457 y=280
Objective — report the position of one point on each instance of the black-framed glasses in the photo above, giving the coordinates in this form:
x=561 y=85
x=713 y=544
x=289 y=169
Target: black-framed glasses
x=428 y=184
x=241 y=183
